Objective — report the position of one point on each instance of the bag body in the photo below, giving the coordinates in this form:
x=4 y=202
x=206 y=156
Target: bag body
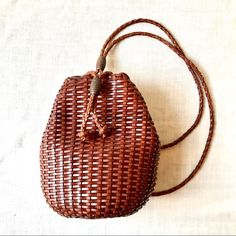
x=101 y=176
x=100 y=150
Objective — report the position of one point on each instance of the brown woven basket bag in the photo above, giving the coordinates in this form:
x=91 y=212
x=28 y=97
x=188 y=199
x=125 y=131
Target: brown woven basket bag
x=100 y=150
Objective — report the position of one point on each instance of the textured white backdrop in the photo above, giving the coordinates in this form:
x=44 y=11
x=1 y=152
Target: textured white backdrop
x=42 y=42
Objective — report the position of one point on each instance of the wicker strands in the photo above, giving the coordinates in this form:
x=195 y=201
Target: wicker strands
x=100 y=176
x=100 y=150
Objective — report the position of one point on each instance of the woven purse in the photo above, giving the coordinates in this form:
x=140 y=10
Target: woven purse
x=100 y=150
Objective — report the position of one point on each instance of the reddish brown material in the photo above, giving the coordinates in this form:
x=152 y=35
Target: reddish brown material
x=100 y=149
x=100 y=177
x=198 y=79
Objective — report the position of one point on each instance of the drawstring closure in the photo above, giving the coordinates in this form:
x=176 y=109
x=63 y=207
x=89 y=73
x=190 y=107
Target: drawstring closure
x=201 y=85
x=95 y=88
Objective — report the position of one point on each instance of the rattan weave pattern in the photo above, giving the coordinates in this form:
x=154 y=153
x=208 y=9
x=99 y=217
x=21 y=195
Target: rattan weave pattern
x=99 y=177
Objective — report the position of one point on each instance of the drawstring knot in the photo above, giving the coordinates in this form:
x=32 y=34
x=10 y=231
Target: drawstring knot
x=95 y=88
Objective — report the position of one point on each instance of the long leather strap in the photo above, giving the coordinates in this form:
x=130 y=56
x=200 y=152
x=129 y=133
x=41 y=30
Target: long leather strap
x=198 y=79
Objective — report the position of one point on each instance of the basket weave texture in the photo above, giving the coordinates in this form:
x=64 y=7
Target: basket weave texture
x=99 y=177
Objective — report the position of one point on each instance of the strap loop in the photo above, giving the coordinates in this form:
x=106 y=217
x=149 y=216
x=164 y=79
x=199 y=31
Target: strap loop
x=198 y=79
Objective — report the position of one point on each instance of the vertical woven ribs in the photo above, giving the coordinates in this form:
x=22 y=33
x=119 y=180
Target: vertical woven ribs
x=99 y=177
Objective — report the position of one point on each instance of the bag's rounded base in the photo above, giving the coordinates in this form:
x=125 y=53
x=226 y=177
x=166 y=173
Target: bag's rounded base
x=88 y=214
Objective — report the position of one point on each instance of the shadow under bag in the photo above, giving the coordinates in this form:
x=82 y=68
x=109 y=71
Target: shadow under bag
x=100 y=150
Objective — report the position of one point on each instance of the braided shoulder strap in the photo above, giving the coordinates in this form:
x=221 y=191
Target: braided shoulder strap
x=199 y=80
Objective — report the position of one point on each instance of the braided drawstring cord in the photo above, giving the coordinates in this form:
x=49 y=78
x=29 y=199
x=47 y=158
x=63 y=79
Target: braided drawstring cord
x=95 y=88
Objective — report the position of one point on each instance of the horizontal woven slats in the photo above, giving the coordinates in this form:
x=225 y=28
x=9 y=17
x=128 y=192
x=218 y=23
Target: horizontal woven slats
x=99 y=177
